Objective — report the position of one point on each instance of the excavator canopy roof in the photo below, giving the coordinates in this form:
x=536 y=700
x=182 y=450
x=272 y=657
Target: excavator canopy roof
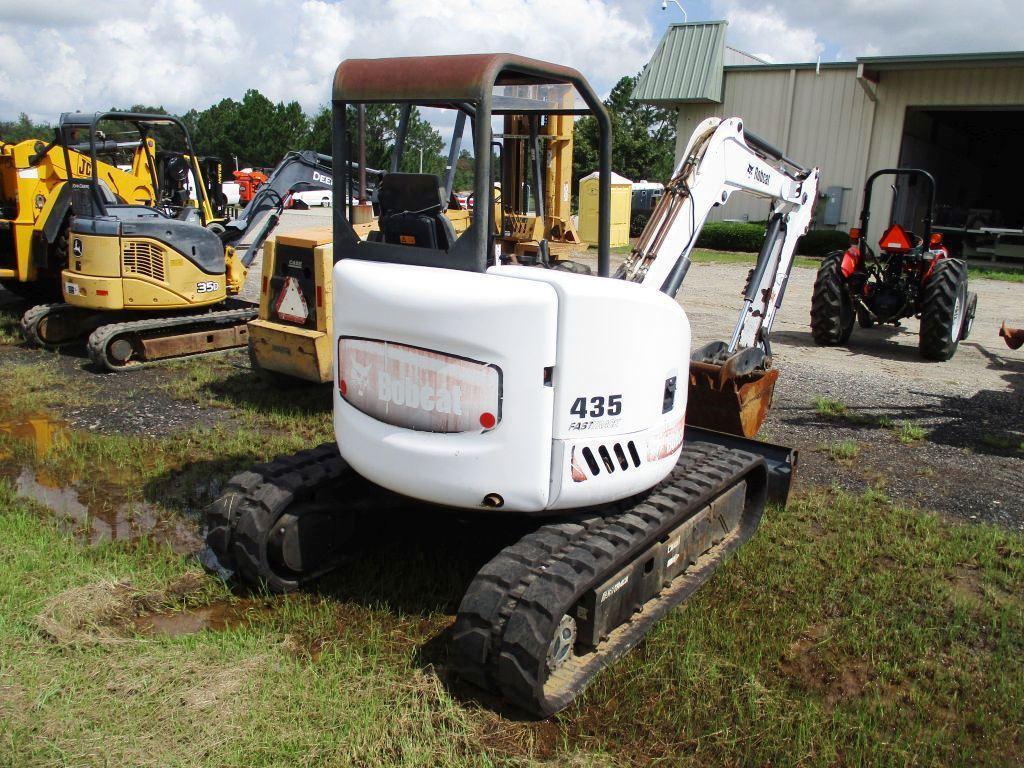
x=459 y=78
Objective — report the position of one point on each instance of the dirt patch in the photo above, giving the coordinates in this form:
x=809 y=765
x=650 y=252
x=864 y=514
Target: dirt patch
x=805 y=665
x=112 y=612
x=94 y=614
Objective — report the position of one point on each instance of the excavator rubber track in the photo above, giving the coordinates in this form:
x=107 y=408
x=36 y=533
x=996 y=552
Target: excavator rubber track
x=557 y=579
x=600 y=578
x=137 y=343
x=51 y=326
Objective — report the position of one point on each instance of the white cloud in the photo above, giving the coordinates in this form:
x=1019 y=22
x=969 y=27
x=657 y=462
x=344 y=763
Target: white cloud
x=798 y=30
x=765 y=34
x=59 y=56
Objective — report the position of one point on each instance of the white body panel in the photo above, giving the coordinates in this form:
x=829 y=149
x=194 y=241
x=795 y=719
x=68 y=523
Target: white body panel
x=615 y=339
x=595 y=336
x=505 y=322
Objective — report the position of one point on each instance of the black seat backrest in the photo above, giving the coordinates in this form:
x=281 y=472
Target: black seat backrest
x=412 y=211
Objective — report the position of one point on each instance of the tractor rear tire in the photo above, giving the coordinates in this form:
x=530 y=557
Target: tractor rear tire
x=832 y=312
x=944 y=310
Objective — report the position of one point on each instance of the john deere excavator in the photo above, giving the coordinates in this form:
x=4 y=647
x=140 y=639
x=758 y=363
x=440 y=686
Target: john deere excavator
x=35 y=200
x=500 y=389
x=151 y=282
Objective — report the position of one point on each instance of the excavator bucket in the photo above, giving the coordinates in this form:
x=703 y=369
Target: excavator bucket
x=725 y=401
x=1014 y=337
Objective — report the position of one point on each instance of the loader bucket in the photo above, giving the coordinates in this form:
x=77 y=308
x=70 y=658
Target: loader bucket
x=1014 y=337
x=724 y=402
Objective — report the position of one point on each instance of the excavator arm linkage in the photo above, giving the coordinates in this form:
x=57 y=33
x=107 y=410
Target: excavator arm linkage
x=731 y=382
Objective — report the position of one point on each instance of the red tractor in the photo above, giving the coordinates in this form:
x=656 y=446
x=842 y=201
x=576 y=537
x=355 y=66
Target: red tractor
x=910 y=276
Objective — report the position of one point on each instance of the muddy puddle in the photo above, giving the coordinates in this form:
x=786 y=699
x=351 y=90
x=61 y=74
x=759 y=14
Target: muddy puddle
x=215 y=618
x=92 y=514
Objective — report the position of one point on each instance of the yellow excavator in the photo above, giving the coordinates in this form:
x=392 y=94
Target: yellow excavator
x=35 y=200
x=150 y=282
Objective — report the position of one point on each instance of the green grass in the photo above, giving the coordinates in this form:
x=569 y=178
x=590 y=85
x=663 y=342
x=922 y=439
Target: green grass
x=1005 y=274
x=908 y=433
x=703 y=256
x=1003 y=442
x=829 y=407
x=843 y=450
x=848 y=631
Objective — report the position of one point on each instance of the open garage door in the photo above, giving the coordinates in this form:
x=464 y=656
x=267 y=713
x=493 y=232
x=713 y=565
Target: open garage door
x=973 y=155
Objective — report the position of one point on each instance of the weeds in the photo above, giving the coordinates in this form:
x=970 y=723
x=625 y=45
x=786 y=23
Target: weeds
x=829 y=407
x=908 y=433
x=844 y=450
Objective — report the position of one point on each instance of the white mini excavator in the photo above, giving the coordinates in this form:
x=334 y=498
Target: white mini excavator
x=467 y=381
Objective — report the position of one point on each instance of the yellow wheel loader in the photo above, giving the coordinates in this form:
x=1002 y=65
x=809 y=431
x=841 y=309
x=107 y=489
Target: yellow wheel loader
x=148 y=283
x=35 y=201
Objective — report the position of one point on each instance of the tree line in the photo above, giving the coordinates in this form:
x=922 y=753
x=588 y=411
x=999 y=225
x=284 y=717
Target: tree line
x=257 y=132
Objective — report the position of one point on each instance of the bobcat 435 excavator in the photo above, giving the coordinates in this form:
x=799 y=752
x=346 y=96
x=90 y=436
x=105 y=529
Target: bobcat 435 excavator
x=493 y=389
x=151 y=282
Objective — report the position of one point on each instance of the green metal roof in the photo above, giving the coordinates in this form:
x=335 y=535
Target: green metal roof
x=687 y=67
x=943 y=60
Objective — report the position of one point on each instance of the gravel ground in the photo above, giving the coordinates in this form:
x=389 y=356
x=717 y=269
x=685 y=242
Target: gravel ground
x=969 y=464
x=971 y=408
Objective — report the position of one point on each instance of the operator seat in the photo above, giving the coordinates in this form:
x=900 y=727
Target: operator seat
x=412 y=211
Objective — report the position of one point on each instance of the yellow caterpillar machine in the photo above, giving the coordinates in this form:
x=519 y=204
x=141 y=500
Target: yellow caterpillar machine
x=147 y=283
x=35 y=201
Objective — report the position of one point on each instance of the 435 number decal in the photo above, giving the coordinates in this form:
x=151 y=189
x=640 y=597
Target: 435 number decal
x=597 y=406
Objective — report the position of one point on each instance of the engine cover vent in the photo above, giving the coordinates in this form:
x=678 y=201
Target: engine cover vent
x=144 y=259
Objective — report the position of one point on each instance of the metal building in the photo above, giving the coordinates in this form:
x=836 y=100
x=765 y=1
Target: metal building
x=958 y=115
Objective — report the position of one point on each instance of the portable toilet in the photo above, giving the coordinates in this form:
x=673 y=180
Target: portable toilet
x=622 y=200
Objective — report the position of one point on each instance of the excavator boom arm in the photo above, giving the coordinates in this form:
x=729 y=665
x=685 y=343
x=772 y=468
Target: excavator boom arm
x=720 y=160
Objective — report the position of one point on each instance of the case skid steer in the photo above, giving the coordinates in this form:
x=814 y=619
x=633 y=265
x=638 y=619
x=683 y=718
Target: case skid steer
x=35 y=201
x=493 y=389
x=152 y=282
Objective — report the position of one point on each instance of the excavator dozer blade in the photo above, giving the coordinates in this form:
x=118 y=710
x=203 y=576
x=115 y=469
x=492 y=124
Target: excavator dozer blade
x=724 y=402
x=1014 y=337
x=780 y=460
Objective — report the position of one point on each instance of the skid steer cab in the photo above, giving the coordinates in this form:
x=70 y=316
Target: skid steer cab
x=910 y=275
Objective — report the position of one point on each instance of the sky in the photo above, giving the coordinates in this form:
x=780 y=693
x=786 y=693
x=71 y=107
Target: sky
x=61 y=55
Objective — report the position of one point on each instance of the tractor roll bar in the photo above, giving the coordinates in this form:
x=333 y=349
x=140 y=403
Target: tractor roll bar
x=461 y=82
x=865 y=214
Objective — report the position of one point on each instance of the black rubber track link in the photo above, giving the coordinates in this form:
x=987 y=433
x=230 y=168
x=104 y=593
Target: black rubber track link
x=240 y=521
x=832 y=313
x=510 y=612
x=938 y=339
x=32 y=325
x=101 y=339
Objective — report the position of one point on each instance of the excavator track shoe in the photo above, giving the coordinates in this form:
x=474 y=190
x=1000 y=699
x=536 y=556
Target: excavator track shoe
x=601 y=581
x=53 y=325
x=271 y=524
x=129 y=345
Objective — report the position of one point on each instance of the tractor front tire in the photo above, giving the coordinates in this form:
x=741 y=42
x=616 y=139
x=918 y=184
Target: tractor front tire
x=832 y=312
x=944 y=310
